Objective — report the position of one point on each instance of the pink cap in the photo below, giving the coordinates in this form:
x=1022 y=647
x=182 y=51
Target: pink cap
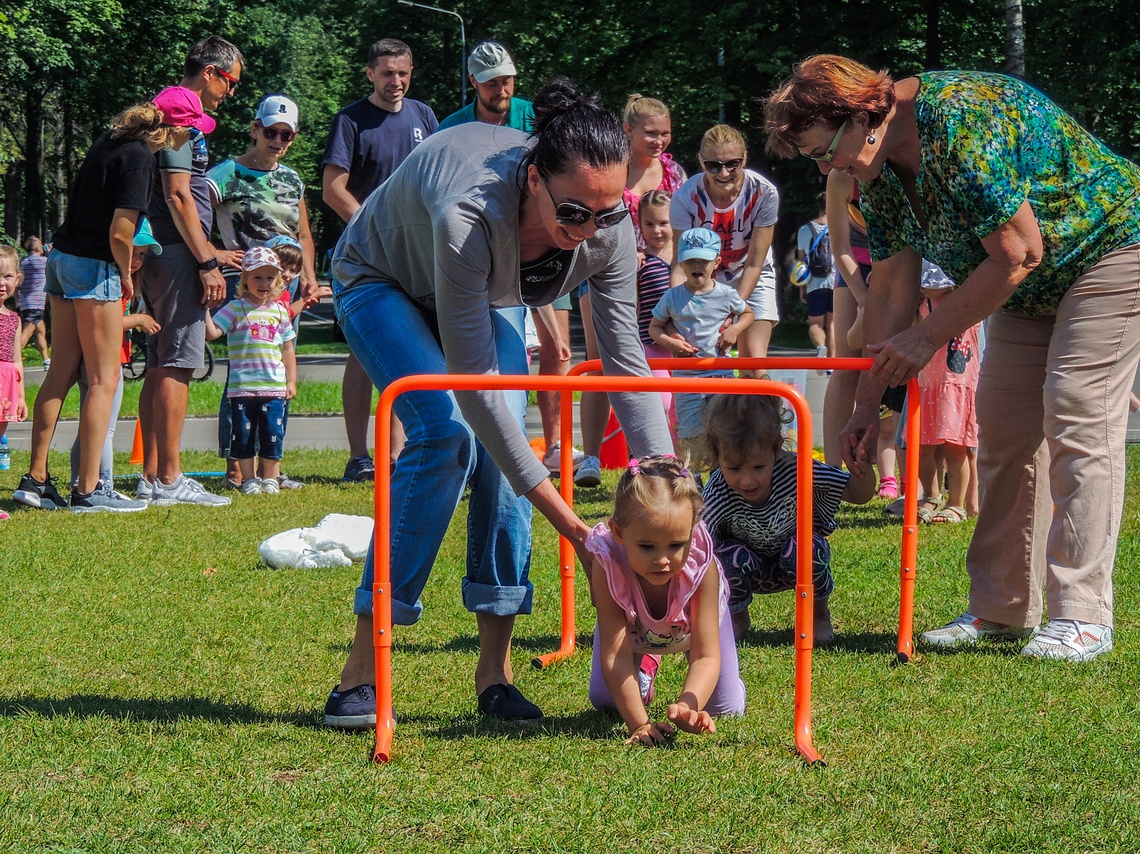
x=259 y=256
x=181 y=107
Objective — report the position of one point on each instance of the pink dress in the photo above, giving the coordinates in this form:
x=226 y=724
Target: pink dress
x=672 y=177
x=948 y=385
x=9 y=373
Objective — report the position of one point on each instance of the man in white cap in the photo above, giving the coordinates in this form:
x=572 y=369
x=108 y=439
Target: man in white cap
x=492 y=73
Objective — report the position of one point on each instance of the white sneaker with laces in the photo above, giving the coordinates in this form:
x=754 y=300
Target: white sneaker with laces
x=969 y=629
x=185 y=490
x=1070 y=640
x=552 y=459
x=270 y=486
x=589 y=473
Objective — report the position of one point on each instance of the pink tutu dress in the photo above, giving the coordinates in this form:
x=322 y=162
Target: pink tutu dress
x=9 y=373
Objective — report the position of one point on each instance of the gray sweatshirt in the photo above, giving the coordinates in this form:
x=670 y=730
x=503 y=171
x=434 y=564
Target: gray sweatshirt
x=444 y=227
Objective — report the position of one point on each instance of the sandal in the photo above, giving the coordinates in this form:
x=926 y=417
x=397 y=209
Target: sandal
x=949 y=515
x=928 y=508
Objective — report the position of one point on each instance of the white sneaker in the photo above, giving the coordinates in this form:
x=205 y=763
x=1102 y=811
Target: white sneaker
x=969 y=629
x=270 y=486
x=1070 y=640
x=144 y=491
x=251 y=487
x=589 y=472
x=185 y=490
x=552 y=459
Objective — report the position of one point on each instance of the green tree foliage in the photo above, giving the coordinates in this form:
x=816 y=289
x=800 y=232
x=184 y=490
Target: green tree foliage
x=81 y=61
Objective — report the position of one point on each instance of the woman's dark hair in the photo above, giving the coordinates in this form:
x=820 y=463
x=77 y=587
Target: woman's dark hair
x=573 y=128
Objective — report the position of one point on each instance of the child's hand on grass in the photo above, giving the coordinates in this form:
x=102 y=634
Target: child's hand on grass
x=651 y=734
x=689 y=719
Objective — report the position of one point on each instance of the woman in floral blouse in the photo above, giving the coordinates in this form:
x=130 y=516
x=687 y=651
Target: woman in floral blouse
x=1039 y=222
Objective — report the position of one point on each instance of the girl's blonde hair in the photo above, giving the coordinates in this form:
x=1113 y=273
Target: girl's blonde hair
x=655 y=484
x=243 y=286
x=743 y=423
x=143 y=121
x=640 y=107
x=653 y=199
x=10 y=253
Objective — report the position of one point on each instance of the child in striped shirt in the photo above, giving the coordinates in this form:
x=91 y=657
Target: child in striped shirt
x=263 y=368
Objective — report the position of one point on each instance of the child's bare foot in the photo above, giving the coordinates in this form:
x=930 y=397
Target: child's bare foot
x=823 y=631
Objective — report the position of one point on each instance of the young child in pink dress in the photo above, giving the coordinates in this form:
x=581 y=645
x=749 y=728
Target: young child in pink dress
x=658 y=588
x=947 y=384
x=13 y=404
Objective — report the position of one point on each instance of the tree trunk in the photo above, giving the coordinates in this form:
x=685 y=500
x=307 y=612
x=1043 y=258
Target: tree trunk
x=933 y=34
x=13 y=198
x=34 y=164
x=1015 y=37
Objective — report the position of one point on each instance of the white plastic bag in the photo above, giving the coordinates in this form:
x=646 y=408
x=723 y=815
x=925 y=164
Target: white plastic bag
x=337 y=540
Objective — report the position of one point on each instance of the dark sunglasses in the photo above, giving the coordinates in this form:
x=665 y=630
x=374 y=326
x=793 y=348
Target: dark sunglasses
x=229 y=78
x=576 y=215
x=272 y=134
x=713 y=167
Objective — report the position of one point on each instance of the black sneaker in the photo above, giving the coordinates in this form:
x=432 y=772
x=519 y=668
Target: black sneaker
x=351 y=709
x=360 y=470
x=39 y=494
x=104 y=499
x=507 y=703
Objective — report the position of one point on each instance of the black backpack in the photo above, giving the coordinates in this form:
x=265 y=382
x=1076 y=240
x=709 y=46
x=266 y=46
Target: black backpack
x=819 y=260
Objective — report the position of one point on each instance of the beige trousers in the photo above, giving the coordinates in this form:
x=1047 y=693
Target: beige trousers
x=1051 y=465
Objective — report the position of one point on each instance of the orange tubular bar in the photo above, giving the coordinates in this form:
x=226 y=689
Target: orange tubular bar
x=382 y=603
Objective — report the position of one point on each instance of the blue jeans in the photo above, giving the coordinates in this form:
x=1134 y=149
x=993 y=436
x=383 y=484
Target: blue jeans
x=258 y=427
x=392 y=337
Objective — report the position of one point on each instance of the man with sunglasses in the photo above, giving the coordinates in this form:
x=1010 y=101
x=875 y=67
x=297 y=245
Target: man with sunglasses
x=181 y=283
x=368 y=140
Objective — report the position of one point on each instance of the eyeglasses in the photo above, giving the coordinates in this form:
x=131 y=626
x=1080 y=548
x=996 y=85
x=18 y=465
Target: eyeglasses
x=713 y=167
x=272 y=134
x=229 y=78
x=828 y=155
x=576 y=215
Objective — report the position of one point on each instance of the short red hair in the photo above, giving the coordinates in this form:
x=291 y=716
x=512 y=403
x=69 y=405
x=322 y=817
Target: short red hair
x=825 y=89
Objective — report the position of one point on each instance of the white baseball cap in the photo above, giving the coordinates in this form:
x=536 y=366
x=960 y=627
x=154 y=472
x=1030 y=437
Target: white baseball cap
x=488 y=61
x=277 y=109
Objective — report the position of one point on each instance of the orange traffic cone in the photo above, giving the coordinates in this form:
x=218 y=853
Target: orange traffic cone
x=137 y=447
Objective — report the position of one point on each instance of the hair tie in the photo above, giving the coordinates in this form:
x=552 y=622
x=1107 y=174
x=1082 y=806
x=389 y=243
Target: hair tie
x=634 y=468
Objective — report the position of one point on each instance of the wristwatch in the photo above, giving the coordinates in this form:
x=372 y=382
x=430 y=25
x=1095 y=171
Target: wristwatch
x=211 y=264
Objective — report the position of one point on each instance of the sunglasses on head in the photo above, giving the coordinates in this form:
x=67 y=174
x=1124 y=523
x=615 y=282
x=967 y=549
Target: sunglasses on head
x=713 y=167
x=576 y=215
x=272 y=134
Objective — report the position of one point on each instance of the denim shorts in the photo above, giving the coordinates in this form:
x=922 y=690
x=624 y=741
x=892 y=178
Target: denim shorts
x=257 y=424
x=75 y=277
x=690 y=407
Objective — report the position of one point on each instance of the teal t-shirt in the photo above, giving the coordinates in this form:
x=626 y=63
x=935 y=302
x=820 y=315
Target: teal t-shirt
x=989 y=143
x=521 y=116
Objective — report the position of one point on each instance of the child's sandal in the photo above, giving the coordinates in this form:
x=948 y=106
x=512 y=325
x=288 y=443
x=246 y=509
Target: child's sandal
x=949 y=515
x=927 y=509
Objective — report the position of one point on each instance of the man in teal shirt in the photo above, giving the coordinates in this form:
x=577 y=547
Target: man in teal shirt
x=492 y=74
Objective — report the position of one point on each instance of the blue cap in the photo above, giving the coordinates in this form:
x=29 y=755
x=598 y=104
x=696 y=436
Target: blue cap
x=145 y=237
x=698 y=243
x=282 y=240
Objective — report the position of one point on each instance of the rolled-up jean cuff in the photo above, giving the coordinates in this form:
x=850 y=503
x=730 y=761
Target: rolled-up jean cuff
x=499 y=601
x=402 y=615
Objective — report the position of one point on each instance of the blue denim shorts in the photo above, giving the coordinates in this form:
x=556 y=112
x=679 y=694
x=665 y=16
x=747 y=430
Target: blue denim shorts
x=690 y=407
x=74 y=277
x=257 y=425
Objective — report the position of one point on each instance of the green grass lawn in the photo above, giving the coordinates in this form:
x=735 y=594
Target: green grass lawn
x=161 y=691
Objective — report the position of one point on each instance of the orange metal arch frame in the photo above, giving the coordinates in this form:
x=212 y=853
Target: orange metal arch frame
x=576 y=380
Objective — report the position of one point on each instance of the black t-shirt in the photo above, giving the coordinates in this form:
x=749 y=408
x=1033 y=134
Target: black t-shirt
x=369 y=143
x=117 y=173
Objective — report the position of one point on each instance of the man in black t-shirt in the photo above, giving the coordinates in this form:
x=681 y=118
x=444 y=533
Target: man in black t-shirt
x=368 y=140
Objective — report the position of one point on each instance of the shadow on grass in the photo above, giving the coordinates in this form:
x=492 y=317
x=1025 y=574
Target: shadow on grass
x=169 y=709
x=874 y=643
x=533 y=645
x=590 y=724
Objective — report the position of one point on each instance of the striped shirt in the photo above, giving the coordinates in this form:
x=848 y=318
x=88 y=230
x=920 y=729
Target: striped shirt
x=30 y=295
x=652 y=282
x=255 y=335
x=766 y=529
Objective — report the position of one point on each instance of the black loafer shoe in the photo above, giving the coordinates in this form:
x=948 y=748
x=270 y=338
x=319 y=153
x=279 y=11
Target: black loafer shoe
x=507 y=703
